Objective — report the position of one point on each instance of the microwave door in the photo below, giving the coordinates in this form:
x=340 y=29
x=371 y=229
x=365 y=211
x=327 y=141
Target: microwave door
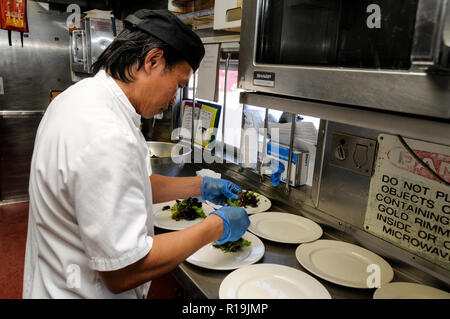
x=340 y=52
x=293 y=32
x=317 y=31
x=336 y=33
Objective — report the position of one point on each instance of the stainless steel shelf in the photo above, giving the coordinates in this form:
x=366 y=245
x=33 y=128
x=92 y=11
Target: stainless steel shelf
x=421 y=128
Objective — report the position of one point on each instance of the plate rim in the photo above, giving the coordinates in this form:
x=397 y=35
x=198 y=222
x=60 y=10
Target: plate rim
x=268 y=214
x=379 y=292
x=247 y=233
x=342 y=282
x=271 y=266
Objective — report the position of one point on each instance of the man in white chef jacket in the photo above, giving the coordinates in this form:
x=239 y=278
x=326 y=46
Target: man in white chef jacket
x=90 y=230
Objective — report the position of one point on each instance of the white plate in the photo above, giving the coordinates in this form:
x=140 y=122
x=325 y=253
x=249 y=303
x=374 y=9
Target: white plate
x=408 y=290
x=270 y=281
x=263 y=205
x=284 y=228
x=213 y=258
x=163 y=218
x=342 y=263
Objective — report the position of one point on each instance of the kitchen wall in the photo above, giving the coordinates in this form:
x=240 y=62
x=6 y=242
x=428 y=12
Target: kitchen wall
x=29 y=74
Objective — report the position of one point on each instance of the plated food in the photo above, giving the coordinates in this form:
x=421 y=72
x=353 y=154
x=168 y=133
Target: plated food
x=251 y=201
x=189 y=209
x=180 y=214
x=211 y=257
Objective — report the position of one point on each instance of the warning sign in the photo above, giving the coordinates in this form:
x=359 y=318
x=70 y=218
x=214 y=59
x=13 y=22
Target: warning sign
x=407 y=205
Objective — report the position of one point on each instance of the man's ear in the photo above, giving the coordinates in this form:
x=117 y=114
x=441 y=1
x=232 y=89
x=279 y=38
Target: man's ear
x=153 y=60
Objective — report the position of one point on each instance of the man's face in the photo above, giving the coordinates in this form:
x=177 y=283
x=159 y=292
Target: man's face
x=156 y=86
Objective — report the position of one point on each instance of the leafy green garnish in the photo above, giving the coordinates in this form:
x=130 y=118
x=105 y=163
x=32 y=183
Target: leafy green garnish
x=234 y=203
x=246 y=198
x=233 y=246
x=189 y=208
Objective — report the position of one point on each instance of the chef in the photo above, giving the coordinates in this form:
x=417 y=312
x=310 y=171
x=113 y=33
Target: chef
x=90 y=230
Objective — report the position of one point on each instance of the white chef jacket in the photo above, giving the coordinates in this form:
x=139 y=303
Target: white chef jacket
x=90 y=194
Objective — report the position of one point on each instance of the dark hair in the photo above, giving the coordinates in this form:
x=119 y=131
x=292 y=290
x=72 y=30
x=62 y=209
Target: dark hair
x=131 y=47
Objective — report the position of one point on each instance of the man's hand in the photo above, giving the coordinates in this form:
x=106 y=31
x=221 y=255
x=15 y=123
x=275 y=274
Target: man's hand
x=235 y=223
x=218 y=190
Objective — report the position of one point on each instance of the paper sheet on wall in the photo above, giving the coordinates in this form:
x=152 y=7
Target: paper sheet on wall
x=208 y=74
x=203 y=132
x=407 y=205
x=208 y=124
x=186 y=123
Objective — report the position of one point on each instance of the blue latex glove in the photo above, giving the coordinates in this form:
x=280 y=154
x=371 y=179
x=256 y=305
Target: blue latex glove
x=235 y=223
x=277 y=168
x=218 y=190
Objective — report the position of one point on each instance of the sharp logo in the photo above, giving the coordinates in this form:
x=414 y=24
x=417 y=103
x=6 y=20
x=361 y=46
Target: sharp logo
x=264 y=76
x=264 y=79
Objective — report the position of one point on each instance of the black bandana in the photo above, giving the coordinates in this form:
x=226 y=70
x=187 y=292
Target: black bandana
x=165 y=26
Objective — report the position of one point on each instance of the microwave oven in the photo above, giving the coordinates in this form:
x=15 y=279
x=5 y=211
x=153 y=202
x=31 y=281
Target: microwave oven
x=391 y=55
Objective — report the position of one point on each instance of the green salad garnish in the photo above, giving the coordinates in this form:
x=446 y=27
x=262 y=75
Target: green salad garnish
x=189 y=209
x=233 y=246
x=246 y=198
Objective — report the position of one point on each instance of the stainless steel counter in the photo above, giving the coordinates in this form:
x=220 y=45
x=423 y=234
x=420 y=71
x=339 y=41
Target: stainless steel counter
x=204 y=283
x=200 y=283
